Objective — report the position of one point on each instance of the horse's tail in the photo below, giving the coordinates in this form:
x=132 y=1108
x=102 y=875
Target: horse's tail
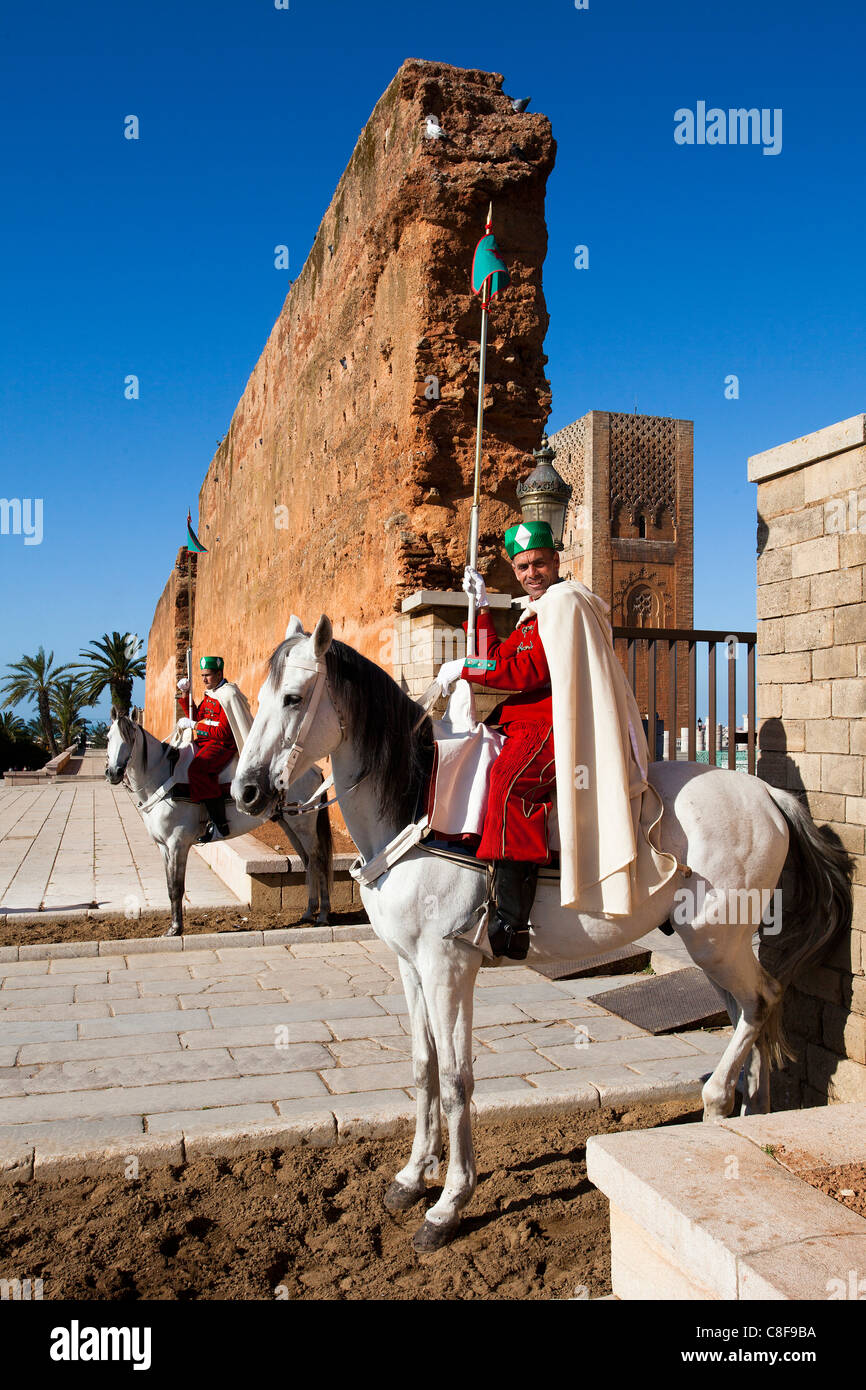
x=817 y=907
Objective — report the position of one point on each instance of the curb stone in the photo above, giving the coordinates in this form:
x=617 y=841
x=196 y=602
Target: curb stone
x=320 y=1128
x=276 y=936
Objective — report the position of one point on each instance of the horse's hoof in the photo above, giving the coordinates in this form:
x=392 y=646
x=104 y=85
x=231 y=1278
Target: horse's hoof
x=174 y=931
x=432 y=1236
x=323 y=921
x=714 y=1115
x=399 y=1198
x=308 y=918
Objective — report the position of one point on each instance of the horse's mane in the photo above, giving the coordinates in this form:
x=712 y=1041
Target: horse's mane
x=381 y=720
x=130 y=730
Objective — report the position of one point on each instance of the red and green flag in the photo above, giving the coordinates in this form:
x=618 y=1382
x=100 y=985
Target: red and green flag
x=488 y=265
x=192 y=541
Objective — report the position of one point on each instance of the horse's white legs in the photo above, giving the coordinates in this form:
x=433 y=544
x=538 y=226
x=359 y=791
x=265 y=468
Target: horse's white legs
x=410 y=1184
x=175 y=854
x=449 y=981
x=756 y=1076
x=732 y=965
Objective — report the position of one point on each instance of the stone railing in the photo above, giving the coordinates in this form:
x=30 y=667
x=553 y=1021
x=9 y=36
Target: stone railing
x=59 y=762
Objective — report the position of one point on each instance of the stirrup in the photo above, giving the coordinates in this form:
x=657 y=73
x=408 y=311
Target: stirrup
x=213 y=832
x=507 y=940
x=497 y=935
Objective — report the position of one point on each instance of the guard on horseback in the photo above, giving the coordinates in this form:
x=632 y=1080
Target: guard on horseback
x=220 y=723
x=516 y=827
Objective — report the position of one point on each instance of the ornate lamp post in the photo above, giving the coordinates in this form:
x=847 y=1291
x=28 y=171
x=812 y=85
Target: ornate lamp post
x=544 y=495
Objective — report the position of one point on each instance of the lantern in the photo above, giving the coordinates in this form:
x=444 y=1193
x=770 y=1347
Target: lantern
x=544 y=495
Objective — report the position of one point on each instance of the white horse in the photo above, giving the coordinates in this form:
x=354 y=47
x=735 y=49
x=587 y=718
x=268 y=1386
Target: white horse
x=147 y=765
x=733 y=831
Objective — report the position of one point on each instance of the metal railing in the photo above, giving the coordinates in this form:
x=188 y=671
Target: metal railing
x=663 y=642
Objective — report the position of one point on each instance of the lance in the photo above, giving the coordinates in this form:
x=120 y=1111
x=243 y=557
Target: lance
x=193 y=546
x=489 y=276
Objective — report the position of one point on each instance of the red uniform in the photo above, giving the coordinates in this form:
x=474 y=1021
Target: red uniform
x=214 y=746
x=522 y=779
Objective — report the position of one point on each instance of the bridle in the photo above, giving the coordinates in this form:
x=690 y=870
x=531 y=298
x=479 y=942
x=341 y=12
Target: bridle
x=284 y=777
x=121 y=767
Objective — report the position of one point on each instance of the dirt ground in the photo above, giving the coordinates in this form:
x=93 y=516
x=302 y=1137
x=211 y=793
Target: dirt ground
x=310 y=1224
x=272 y=835
x=19 y=931
x=845 y=1183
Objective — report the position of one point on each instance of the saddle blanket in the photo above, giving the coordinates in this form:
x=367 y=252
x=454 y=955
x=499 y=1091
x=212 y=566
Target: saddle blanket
x=181 y=739
x=465 y=752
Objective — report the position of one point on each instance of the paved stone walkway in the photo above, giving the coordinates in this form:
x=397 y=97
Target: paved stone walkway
x=72 y=844
x=184 y=1038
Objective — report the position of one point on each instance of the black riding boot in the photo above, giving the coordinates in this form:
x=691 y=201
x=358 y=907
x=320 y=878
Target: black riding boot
x=513 y=894
x=216 y=809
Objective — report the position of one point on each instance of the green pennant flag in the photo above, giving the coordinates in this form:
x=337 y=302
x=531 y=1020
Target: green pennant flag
x=193 y=542
x=488 y=264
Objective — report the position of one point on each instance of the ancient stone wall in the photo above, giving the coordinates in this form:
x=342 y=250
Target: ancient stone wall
x=345 y=477
x=812 y=708
x=167 y=644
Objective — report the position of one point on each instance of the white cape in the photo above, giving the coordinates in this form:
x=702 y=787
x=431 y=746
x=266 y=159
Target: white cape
x=608 y=812
x=234 y=702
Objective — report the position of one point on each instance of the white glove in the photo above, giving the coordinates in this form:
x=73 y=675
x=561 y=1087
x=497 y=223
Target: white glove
x=183 y=685
x=448 y=674
x=474 y=586
x=186 y=723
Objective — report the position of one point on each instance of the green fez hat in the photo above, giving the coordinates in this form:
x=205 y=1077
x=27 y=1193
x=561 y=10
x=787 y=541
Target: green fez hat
x=211 y=663
x=528 y=535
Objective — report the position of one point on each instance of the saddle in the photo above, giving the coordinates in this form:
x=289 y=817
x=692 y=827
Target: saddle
x=464 y=753
x=463 y=852
x=180 y=756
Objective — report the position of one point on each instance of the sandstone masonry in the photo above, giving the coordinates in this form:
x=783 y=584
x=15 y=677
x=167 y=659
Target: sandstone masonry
x=344 y=481
x=168 y=642
x=812 y=707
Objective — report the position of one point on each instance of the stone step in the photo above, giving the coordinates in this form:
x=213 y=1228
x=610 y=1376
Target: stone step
x=270 y=879
x=709 y=1211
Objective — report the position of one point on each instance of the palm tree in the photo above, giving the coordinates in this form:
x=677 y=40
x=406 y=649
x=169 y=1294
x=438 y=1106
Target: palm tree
x=116 y=661
x=12 y=725
x=68 y=699
x=99 y=735
x=34 y=678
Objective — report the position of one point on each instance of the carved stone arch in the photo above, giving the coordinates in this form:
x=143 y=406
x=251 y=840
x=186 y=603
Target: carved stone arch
x=642 y=606
x=664 y=523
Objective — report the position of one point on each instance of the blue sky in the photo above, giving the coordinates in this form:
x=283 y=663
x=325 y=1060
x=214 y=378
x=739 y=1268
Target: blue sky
x=155 y=257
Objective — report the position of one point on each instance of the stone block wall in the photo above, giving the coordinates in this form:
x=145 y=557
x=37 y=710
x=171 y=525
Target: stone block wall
x=812 y=712
x=428 y=632
x=167 y=645
x=344 y=481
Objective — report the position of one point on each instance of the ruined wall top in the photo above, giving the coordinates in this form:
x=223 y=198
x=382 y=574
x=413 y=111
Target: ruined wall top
x=344 y=481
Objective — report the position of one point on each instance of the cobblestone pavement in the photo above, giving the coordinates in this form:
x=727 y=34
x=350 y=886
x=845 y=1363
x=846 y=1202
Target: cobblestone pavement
x=68 y=845
x=177 y=1038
